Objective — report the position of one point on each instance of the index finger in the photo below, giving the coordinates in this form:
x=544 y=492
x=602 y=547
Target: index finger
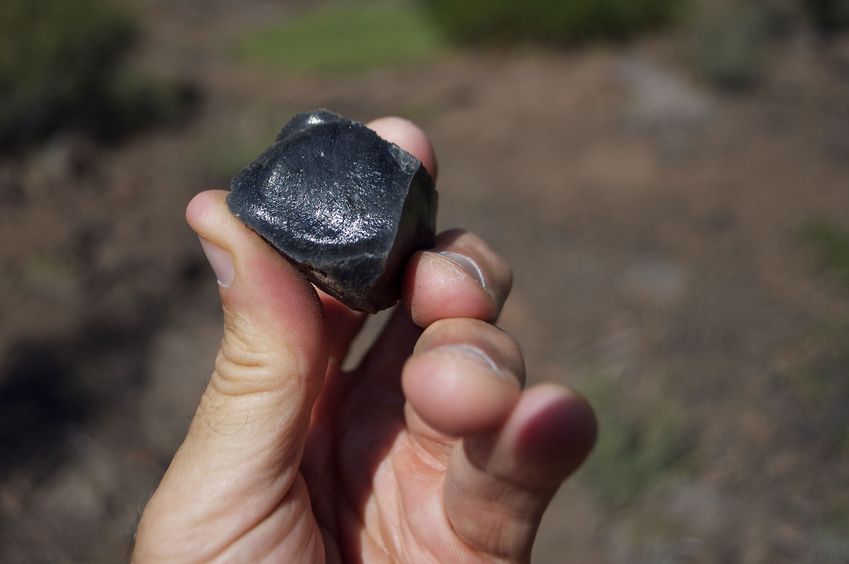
x=409 y=137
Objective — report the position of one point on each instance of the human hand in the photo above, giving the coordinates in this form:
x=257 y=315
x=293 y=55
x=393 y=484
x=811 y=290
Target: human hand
x=428 y=451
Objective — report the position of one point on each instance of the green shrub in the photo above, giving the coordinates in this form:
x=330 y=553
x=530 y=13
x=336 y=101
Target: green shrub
x=62 y=64
x=830 y=242
x=829 y=15
x=54 y=54
x=133 y=101
x=347 y=38
x=548 y=21
x=729 y=41
x=643 y=441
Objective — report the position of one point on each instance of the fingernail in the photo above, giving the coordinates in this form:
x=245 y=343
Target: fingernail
x=467 y=264
x=472 y=353
x=220 y=261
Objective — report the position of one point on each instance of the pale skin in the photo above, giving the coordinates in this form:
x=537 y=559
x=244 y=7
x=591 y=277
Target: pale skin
x=429 y=451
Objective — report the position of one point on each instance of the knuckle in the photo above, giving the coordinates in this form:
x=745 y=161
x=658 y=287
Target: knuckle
x=247 y=364
x=495 y=269
x=502 y=347
x=241 y=372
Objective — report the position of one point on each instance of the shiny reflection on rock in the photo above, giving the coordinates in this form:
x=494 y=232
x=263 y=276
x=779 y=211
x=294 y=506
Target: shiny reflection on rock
x=346 y=206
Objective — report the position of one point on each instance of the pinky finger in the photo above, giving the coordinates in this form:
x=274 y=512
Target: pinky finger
x=499 y=485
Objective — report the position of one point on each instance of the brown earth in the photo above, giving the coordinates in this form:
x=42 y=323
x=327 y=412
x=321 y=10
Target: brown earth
x=653 y=226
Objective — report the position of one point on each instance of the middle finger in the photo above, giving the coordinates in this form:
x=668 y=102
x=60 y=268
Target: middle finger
x=461 y=277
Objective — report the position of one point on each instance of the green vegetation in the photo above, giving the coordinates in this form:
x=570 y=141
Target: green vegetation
x=830 y=15
x=844 y=452
x=830 y=242
x=734 y=28
x=61 y=66
x=818 y=375
x=728 y=41
x=222 y=156
x=51 y=275
x=566 y=21
x=641 y=443
x=132 y=101
x=226 y=145
x=53 y=55
x=347 y=38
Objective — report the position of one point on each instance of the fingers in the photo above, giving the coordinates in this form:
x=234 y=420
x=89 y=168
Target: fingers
x=461 y=277
x=343 y=324
x=245 y=442
x=464 y=378
x=273 y=349
x=498 y=485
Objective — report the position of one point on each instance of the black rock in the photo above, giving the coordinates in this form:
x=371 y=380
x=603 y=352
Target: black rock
x=346 y=206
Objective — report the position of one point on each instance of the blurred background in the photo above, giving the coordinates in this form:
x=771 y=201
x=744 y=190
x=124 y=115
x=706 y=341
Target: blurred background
x=669 y=179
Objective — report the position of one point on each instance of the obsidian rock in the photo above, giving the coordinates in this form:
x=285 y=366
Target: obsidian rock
x=346 y=206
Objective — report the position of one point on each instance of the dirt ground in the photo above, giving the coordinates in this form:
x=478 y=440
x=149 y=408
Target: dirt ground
x=653 y=225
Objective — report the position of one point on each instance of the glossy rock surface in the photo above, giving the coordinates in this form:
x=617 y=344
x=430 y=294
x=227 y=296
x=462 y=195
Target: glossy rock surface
x=346 y=206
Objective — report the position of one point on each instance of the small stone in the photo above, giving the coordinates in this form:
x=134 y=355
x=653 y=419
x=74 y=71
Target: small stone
x=346 y=206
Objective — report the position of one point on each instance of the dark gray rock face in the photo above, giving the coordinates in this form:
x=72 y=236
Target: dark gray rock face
x=346 y=206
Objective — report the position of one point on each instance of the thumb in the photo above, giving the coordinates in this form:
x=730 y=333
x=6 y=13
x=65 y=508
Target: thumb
x=242 y=451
